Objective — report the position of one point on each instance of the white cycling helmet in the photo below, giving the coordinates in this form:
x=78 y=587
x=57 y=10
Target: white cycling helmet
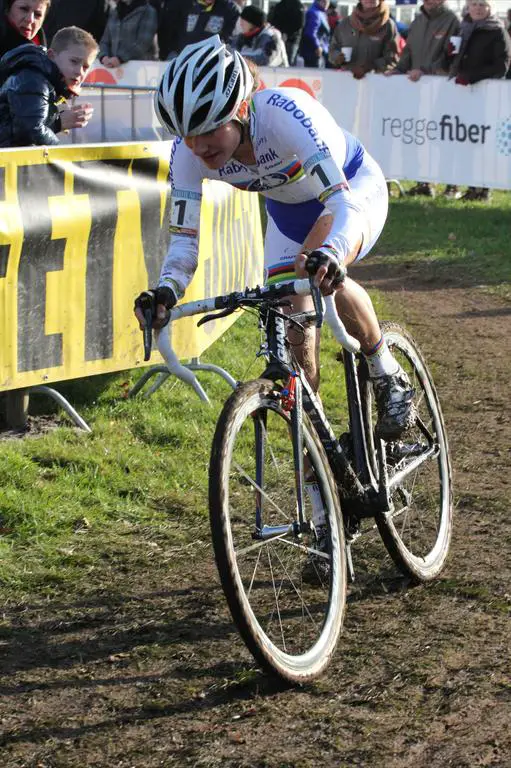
x=202 y=88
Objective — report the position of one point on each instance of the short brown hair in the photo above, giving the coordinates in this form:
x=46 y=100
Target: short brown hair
x=8 y=3
x=68 y=36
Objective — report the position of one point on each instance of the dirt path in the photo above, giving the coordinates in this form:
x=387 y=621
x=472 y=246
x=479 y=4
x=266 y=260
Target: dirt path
x=144 y=669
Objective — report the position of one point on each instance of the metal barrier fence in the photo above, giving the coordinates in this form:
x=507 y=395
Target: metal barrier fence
x=125 y=114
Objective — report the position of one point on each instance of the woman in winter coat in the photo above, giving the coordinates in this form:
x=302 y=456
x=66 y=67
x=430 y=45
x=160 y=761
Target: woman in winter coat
x=130 y=33
x=372 y=36
x=21 y=22
x=485 y=53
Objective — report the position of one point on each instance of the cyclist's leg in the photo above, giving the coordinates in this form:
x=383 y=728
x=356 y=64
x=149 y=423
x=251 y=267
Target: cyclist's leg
x=287 y=231
x=392 y=387
x=393 y=391
x=290 y=230
x=370 y=197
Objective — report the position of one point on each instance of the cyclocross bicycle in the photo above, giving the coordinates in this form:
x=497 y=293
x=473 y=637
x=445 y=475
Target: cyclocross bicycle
x=272 y=437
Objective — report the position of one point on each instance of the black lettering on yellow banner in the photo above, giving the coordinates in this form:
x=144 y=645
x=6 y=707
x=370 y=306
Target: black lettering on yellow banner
x=82 y=231
x=154 y=217
x=101 y=182
x=40 y=254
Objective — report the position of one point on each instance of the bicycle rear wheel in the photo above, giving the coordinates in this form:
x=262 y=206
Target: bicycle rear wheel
x=417 y=529
x=291 y=626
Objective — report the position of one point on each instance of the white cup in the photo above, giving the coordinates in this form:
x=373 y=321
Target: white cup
x=347 y=51
x=456 y=42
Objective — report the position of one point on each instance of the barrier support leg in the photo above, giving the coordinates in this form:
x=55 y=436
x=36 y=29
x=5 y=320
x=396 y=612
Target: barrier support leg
x=64 y=404
x=400 y=189
x=16 y=408
x=194 y=365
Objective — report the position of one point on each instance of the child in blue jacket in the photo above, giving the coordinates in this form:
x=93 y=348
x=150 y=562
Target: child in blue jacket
x=35 y=87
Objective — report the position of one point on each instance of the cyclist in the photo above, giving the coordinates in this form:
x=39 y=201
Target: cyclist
x=326 y=199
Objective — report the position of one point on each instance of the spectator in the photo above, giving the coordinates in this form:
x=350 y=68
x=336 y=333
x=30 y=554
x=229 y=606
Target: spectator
x=34 y=87
x=259 y=41
x=130 y=33
x=372 y=36
x=288 y=17
x=237 y=28
x=187 y=22
x=90 y=15
x=333 y=15
x=427 y=53
x=21 y=23
x=315 y=35
x=485 y=53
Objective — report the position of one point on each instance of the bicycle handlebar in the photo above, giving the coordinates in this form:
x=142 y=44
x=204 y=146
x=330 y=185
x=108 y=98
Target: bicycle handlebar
x=234 y=301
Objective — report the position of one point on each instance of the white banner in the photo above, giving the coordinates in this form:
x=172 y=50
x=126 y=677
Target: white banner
x=435 y=130
x=432 y=130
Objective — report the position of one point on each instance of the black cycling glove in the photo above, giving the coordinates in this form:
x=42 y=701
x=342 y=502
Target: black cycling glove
x=149 y=300
x=336 y=272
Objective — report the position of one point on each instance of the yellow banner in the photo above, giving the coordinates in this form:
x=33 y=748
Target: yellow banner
x=82 y=231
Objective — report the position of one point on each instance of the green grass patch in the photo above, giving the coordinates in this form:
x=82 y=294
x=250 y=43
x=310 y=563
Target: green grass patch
x=67 y=498
x=465 y=243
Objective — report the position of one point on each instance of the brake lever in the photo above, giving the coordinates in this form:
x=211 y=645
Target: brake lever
x=317 y=301
x=215 y=316
x=148 y=334
x=148 y=325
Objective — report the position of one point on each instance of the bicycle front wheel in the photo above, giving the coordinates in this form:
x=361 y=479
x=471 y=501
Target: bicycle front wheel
x=289 y=621
x=417 y=528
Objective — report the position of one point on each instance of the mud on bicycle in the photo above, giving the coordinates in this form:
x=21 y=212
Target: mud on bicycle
x=272 y=441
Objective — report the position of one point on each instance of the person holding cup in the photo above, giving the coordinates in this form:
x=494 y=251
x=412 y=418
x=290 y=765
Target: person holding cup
x=484 y=53
x=483 y=49
x=427 y=52
x=365 y=41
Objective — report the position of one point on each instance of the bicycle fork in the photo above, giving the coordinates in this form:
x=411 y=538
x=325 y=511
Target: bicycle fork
x=292 y=402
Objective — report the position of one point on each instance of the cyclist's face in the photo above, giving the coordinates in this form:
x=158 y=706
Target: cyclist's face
x=216 y=148
x=27 y=16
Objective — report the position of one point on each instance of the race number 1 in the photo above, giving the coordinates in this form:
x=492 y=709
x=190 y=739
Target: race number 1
x=185 y=211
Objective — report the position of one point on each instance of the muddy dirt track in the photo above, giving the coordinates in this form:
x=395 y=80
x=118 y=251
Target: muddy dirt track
x=142 y=667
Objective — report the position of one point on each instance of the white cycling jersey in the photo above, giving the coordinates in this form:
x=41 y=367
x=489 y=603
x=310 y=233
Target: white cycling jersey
x=306 y=165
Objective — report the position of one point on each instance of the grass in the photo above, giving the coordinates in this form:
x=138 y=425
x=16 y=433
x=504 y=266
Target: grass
x=464 y=242
x=67 y=498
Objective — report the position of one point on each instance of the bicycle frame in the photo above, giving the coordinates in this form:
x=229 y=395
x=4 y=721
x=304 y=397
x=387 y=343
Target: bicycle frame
x=357 y=486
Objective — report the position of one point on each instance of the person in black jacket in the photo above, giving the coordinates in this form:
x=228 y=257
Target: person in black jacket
x=288 y=17
x=183 y=22
x=485 y=53
x=21 y=22
x=35 y=87
x=90 y=15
